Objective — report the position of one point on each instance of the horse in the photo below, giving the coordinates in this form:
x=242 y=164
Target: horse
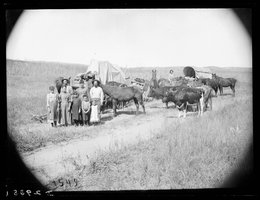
x=124 y=94
x=120 y=104
x=212 y=83
x=225 y=82
x=154 y=82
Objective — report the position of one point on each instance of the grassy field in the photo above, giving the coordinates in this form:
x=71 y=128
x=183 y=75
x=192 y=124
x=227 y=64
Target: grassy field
x=201 y=152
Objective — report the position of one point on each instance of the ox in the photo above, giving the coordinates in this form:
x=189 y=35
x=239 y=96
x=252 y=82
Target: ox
x=184 y=97
x=159 y=93
x=208 y=93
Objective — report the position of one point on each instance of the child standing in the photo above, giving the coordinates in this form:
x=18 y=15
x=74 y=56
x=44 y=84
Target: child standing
x=76 y=108
x=52 y=105
x=85 y=110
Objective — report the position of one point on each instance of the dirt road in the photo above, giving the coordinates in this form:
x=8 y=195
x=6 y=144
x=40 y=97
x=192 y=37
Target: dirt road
x=52 y=161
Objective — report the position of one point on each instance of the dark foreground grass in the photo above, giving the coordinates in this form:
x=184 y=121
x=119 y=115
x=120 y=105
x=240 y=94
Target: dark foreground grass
x=201 y=153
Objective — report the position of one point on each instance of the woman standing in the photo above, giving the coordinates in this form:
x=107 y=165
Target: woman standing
x=97 y=97
x=52 y=105
x=76 y=108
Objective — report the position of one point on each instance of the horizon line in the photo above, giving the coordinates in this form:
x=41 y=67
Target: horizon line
x=127 y=66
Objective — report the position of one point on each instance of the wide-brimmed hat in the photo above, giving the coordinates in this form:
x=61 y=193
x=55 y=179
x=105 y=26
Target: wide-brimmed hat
x=90 y=74
x=67 y=79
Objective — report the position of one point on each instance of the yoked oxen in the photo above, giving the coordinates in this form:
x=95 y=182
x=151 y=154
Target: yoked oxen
x=160 y=92
x=184 y=97
x=156 y=91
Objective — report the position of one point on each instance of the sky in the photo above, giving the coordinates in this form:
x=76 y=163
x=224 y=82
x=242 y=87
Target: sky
x=132 y=37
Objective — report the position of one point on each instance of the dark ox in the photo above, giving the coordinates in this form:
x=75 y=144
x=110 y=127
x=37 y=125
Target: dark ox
x=184 y=97
x=208 y=93
x=159 y=93
x=124 y=94
x=225 y=82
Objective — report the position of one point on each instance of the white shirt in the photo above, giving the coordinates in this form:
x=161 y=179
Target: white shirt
x=97 y=92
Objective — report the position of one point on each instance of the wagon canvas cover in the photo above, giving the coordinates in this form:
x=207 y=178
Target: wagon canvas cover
x=203 y=74
x=107 y=71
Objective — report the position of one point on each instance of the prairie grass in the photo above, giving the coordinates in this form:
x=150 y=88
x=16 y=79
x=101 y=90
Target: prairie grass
x=201 y=153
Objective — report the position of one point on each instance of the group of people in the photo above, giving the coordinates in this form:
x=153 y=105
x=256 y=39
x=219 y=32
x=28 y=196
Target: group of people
x=75 y=107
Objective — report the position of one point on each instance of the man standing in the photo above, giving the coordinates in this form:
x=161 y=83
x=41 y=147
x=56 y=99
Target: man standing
x=97 y=97
x=66 y=84
x=69 y=91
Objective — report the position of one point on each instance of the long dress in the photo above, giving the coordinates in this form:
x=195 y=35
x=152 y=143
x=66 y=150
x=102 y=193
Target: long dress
x=52 y=104
x=65 y=115
x=75 y=107
x=97 y=96
x=95 y=115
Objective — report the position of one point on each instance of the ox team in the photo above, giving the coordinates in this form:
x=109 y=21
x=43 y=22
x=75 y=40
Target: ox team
x=82 y=106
